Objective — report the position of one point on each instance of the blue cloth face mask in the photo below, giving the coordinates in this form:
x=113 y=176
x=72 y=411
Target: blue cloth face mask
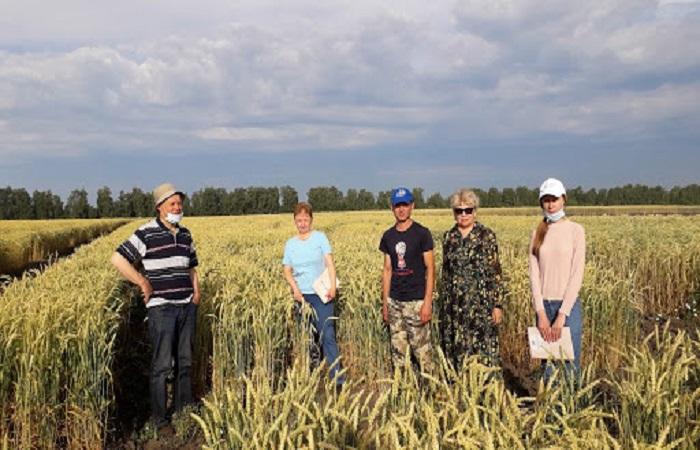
x=173 y=218
x=554 y=217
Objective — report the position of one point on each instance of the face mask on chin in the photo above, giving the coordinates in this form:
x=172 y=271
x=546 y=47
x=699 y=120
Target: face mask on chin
x=173 y=218
x=554 y=217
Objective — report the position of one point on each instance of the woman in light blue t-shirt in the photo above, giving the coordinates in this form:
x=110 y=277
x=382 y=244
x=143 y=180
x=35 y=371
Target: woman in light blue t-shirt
x=306 y=256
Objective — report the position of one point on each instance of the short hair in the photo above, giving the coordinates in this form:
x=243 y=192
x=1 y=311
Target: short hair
x=303 y=207
x=464 y=196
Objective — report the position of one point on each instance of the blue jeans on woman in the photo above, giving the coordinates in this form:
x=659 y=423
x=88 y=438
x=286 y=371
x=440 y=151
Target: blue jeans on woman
x=325 y=326
x=575 y=324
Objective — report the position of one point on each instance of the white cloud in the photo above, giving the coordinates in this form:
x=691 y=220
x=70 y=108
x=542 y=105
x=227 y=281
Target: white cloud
x=160 y=75
x=307 y=136
x=658 y=47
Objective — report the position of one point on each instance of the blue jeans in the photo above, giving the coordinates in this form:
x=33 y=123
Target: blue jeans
x=172 y=330
x=575 y=324
x=326 y=330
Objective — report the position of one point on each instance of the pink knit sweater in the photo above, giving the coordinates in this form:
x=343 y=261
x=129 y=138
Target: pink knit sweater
x=558 y=273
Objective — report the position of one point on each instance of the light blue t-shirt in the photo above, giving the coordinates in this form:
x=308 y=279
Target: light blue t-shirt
x=306 y=258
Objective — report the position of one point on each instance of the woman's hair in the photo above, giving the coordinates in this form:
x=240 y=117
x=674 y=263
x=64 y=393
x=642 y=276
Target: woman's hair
x=464 y=196
x=540 y=233
x=303 y=207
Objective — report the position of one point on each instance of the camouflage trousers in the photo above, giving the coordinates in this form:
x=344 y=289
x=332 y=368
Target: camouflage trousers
x=407 y=332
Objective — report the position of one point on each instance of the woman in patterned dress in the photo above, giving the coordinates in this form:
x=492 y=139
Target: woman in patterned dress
x=472 y=286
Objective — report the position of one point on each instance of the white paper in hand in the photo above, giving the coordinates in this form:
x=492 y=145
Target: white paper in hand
x=541 y=349
x=323 y=284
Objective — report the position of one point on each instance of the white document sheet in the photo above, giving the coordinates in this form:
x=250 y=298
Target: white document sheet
x=323 y=284
x=541 y=349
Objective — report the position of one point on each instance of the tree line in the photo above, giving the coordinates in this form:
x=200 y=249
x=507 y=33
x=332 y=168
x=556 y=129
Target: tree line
x=17 y=203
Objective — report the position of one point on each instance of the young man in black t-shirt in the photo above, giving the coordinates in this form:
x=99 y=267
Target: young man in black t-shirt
x=408 y=279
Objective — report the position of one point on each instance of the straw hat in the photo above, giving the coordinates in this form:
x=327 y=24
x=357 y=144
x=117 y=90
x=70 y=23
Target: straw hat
x=164 y=192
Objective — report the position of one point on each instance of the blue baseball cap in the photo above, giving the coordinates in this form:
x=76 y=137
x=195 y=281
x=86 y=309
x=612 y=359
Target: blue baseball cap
x=401 y=195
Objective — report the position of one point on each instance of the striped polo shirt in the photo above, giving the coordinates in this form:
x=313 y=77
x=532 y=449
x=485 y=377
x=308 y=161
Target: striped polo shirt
x=167 y=258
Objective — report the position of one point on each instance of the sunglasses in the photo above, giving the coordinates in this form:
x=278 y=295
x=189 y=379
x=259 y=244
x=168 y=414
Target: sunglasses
x=460 y=211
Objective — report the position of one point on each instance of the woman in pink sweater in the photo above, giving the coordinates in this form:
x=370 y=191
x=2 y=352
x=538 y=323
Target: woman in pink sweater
x=557 y=259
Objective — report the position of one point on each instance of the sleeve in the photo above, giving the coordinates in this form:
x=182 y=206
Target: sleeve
x=286 y=259
x=133 y=249
x=383 y=247
x=194 y=262
x=534 y=272
x=427 y=243
x=494 y=280
x=445 y=259
x=445 y=263
x=325 y=245
x=578 y=265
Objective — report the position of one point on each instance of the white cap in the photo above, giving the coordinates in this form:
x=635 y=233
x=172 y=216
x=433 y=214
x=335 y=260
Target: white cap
x=553 y=187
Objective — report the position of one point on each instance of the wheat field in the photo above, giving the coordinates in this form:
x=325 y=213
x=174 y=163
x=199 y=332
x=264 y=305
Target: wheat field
x=640 y=389
x=25 y=241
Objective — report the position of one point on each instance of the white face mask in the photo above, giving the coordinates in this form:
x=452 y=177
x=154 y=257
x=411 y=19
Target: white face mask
x=555 y=217
x=173 y=218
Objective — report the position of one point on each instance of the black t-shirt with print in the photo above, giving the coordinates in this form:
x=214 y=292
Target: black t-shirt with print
x=406 y=248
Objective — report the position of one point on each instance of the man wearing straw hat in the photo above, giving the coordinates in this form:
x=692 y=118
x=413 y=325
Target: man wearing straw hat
x=170 y=290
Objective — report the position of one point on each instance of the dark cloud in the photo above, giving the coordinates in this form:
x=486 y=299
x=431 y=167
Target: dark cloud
x=475 y=87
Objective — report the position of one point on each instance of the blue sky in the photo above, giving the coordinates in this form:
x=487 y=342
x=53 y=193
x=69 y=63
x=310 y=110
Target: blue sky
x=352 y=93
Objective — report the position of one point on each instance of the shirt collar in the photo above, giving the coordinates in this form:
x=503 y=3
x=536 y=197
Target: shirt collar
x=162 y=225
x=454 y=231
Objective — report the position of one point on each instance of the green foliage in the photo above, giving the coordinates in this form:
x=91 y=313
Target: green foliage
x=77 y=205
x=211 y=201
x=326 y=198
x=134 y=204
x=15 y=204
x=436 y=201
x=288 y=198
x=105 y=204
x=46 y=205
